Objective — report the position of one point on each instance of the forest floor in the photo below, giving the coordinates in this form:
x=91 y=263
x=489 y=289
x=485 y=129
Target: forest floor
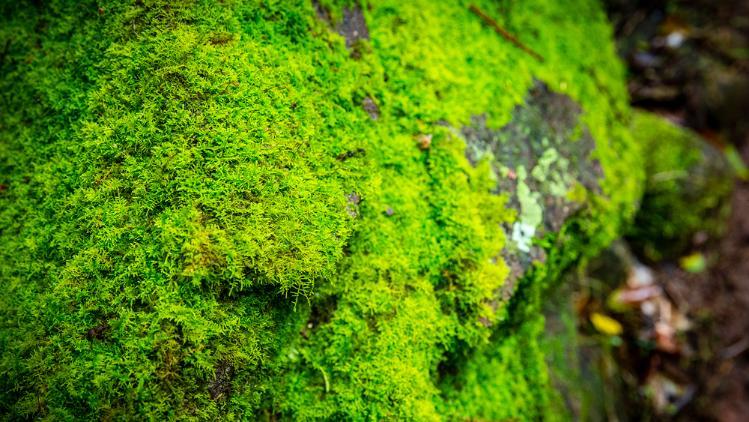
x=689 y=62
x=722 y=378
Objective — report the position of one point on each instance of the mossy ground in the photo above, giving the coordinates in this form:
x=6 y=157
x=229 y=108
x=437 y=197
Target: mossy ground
x=199 y=220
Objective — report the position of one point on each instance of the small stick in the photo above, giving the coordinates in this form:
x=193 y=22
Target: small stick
x=501 y=31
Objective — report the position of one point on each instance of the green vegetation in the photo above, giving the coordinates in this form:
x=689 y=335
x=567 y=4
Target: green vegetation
x=199 y=219
x=687 y=188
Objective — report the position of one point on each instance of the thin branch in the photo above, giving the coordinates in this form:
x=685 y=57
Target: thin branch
x=503 y=32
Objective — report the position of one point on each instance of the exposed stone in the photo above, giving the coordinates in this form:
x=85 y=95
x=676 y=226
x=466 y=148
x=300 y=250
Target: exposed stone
x=353 y=27
x=371 y=108
x=220 y=388
x=539 y=158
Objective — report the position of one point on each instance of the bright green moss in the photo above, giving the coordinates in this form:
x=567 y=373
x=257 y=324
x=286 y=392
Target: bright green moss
x=199 y=220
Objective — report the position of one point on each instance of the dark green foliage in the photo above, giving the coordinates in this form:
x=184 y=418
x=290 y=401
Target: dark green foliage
x=687 y=191
x=199 y=220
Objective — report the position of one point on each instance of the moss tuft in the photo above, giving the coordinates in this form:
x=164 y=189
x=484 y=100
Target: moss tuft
x=687 y=190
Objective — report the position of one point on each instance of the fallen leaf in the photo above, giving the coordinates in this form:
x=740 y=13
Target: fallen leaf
x=605 y=324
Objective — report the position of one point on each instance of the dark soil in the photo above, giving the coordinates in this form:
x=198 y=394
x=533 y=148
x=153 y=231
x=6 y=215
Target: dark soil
x=718 y=302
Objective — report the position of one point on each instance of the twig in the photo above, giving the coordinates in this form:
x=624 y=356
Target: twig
x=502 y=32
x=735 y=349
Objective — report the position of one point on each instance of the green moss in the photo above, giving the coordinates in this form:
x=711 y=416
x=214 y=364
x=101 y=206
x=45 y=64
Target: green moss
x=687 y=189
x=480 y=390
x=199 y=220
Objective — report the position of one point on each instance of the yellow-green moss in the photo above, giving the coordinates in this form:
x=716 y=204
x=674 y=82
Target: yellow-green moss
x=199 y=220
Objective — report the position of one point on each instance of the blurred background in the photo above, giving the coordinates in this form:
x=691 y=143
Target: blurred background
x=671 y=334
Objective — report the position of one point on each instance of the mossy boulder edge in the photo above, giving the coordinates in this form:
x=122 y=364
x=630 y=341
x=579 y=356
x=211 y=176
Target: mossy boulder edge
x=298 y=210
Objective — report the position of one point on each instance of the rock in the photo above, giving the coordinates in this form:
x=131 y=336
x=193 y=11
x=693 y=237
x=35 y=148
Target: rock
x=687 y=190
x=210 y=200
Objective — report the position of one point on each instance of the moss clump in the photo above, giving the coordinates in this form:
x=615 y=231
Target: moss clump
x=687 y=188
x=199 y=219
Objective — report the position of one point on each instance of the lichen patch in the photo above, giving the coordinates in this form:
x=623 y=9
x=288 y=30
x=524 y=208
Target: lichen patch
x=542 y=155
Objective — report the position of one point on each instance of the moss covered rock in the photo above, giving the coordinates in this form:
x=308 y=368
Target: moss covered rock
x=687 y=189
x=298 y=210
